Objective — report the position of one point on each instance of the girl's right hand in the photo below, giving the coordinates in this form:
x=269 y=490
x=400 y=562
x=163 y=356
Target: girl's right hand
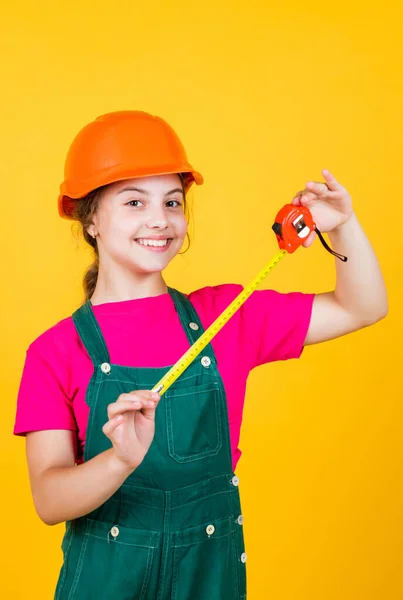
x=131 y=426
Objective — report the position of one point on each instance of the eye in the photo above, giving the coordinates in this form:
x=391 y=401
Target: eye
x=134 y=203
x=173 y=203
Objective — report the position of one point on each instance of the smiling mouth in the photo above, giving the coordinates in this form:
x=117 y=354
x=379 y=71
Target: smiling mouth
x=154 y=245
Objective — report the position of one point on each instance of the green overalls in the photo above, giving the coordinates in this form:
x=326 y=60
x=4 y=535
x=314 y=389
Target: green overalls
x=173 y=530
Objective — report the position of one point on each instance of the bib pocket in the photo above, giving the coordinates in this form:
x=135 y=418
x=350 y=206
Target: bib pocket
x=193 y=420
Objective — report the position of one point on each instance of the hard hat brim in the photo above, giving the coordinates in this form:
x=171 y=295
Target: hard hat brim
x=72 y=191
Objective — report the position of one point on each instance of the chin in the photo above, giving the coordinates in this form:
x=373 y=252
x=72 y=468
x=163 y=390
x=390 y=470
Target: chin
x=150 y=266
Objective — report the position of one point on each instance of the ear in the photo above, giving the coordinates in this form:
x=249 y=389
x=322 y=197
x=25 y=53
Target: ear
x=91 y=231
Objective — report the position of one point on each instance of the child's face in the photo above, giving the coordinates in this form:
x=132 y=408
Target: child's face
x=141 y=223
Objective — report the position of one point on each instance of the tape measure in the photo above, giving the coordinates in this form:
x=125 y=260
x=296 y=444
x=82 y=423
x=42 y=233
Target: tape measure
x=172 y=375
x=292 y=226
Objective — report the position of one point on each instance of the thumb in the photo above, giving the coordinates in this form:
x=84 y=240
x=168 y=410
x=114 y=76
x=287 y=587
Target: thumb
x=310 y=239
x=151 y=406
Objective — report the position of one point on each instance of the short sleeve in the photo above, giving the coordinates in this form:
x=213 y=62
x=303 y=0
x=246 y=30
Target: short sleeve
x=42 y=401
x=276 y=324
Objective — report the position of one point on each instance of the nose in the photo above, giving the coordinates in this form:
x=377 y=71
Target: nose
x=157 y=219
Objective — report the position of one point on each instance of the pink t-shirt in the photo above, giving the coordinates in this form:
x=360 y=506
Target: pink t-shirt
x=147 y=332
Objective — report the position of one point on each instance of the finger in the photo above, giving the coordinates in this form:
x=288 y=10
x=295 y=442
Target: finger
x=307 y=197
x=139 y=394
x=151 y=407
x=297 y=197
x=111 y=425
x=320 y=189
x=331 y=181
x=309 y=240
x=303 y=199
x=150 y=398
x=123 y=406
x=149 y=411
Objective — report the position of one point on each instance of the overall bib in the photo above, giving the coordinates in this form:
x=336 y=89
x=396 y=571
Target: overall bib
x=173 y=530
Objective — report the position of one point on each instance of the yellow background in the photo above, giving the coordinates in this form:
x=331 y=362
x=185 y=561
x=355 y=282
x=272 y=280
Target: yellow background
x=264 y=95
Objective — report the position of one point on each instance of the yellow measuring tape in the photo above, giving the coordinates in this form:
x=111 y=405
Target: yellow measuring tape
x=172 y=375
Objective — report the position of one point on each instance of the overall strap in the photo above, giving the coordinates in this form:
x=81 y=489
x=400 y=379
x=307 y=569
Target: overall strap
x=188 y=316
x=90 y=334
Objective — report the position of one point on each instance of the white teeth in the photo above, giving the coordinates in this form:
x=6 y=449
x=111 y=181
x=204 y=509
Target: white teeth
x=153 y=242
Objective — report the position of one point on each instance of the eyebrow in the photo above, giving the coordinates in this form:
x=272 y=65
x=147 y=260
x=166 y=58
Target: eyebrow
x=146 y=192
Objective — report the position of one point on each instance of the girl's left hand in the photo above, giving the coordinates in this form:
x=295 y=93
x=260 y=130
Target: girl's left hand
x=329 y=203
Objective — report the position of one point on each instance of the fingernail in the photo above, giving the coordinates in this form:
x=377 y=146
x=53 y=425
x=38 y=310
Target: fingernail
x=150 y=403
x=155 y=396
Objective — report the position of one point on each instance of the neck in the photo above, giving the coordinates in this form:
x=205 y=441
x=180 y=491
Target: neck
x=116 y=288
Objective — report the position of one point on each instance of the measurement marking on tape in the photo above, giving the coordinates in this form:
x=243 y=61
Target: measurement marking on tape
x=172 y=375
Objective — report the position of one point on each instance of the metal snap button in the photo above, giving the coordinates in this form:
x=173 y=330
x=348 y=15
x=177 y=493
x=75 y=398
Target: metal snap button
x=210 y=529
x=243 y=558
x=194 y=326
x=115 y=531
x=240 y=520
x=235 y=481
x=205 y=361
x=106 y=368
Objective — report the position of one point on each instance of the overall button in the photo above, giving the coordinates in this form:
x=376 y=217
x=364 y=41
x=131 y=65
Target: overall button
x=194 y=326
x=115 y=531
x=240 y=520
x=235 y=481
x=210 y=529
x=243 y=558
x=205 y=361
x=106 y=368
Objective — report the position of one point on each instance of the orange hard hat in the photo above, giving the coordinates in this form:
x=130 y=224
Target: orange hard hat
x=121 y=145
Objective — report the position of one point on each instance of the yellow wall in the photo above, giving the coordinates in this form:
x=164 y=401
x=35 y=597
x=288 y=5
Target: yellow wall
x=264 y=95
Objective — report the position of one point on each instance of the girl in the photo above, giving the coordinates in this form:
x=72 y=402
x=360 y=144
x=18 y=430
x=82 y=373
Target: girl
x=145 y=484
